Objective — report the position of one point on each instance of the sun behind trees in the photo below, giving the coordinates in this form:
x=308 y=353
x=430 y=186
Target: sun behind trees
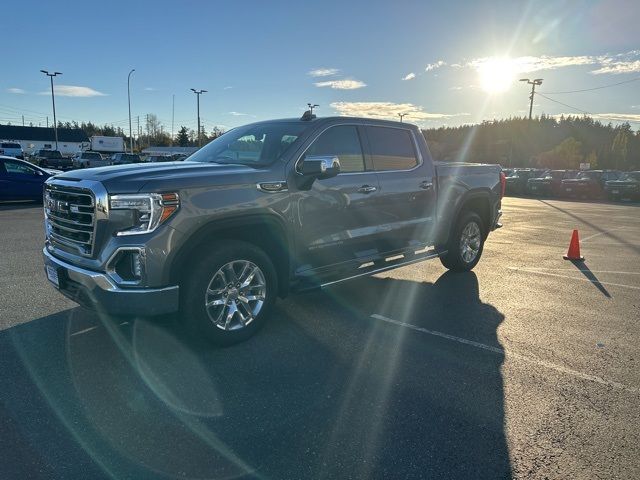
x=541 y=142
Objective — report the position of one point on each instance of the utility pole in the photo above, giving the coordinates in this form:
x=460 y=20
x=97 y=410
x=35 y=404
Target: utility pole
x=198 y=93
x=129 y=101
x=311 y=107
x=173 y=113
x=533 y=83
x=47 y=121
x=148 y=135
x=23 y=120
x=53 y=100
x=402 y=115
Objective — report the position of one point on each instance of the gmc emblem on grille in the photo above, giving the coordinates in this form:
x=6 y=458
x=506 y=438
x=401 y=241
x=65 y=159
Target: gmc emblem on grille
x=57 y=205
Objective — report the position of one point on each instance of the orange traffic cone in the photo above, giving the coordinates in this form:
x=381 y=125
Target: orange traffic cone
x=574 y=248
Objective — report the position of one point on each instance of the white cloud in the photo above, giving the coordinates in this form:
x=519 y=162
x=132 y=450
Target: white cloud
x=619 y=67
x=617 y=117
x=434 y=66
x=341 y=84
x=74 y=91
x=323 y=72
x=238 y=114
x=628 y=62
x=605 y=117
x=150 y=89
x=409 y=76
x=388 y=110
x=18 y=91
x=227 y=88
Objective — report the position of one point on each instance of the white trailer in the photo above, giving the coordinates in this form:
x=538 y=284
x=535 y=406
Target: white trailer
x=107 y=144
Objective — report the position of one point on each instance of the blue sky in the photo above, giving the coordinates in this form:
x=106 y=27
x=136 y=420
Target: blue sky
x=444 y=63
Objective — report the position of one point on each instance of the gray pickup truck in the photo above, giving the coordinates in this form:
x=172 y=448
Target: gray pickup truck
x=264 y=210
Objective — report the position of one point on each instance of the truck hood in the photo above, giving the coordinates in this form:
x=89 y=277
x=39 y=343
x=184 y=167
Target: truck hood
x=132 y=178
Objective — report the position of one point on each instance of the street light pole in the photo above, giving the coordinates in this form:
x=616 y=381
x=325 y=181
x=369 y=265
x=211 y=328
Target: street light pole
x=198 y=93
x=129 y=101
x=533 y=83
x=402 y=115
x=53 y=101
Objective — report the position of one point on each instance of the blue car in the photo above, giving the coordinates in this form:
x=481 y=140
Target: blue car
x=20 y=180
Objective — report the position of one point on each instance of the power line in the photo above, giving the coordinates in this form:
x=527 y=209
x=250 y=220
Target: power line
x=568 y=106
x=595 y=88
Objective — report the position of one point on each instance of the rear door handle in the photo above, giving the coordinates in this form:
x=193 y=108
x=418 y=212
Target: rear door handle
x=426 y=185
x=367 y=189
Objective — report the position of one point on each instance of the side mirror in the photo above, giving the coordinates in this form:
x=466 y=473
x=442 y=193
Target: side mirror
x=38 y=173
x=320 y=167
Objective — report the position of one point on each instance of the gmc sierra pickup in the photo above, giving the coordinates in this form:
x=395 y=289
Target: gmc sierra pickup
x=266 y=209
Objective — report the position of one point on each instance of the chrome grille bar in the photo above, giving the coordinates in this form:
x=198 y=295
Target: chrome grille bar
x=70 y=218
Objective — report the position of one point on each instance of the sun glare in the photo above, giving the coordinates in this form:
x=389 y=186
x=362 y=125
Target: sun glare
x=497 y=74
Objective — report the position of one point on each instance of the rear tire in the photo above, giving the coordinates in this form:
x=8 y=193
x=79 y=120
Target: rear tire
x=466 y=243
x=228 y=292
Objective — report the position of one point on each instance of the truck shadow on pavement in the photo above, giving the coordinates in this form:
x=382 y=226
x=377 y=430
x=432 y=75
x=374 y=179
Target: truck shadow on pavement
x=323 y=391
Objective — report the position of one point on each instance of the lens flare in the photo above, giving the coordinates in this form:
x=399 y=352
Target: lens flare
x=497 y=74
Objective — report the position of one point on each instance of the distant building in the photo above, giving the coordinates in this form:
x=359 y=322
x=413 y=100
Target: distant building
x=70 y=140
x=169 y=150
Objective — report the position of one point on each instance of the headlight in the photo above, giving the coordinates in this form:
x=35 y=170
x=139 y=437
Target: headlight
x=151 y=209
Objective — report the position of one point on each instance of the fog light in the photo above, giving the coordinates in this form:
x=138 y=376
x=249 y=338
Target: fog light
x=136 y=265
x=128 y=266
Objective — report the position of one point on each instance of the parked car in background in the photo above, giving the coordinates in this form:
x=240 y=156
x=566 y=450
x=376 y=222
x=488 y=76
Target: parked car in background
x=89 y=159
x=588 y=183
x=11 y=149
x=124 y=158
x=51 y=159
x=20 y=180
x=159 y=158
x=550 y=183
x=517 y=181
x=626 y=187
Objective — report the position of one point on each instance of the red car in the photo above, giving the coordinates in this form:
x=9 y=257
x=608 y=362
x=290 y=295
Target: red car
x=588 y=183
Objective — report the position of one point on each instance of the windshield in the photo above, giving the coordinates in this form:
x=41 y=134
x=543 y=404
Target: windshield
x=591 y=175
x=92 y=156
x=631 y=176
x=254 y=145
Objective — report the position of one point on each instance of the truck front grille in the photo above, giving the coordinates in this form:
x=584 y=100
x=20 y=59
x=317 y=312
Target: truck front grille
x=70 y=218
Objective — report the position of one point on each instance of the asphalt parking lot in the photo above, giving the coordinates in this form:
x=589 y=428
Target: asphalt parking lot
x=529 y=367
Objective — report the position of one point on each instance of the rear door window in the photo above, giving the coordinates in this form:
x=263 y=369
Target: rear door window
x=392 y=149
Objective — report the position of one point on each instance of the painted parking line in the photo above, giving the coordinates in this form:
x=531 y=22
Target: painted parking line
x=80 y=332
x=511 y=355
x=586 y=239
x=569 y=270
x=89 y=329
x=579 y=279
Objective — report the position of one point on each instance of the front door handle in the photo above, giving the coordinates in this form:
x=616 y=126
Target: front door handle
x=426 y=185
x=367 y=189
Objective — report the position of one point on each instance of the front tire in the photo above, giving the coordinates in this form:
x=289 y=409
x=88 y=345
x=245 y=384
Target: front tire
x=465 y=244
x=228 y=292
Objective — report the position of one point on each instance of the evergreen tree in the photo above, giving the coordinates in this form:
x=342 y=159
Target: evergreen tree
x=182 y=139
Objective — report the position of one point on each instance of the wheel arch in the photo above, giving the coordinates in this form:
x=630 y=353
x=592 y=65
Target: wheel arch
x=267 y=232
x=478 y=201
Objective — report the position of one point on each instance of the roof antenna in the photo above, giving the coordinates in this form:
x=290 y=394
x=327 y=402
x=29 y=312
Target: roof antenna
x=308 y=115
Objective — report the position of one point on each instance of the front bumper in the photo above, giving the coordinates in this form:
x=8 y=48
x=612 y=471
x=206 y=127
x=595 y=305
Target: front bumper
x=97 y=291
